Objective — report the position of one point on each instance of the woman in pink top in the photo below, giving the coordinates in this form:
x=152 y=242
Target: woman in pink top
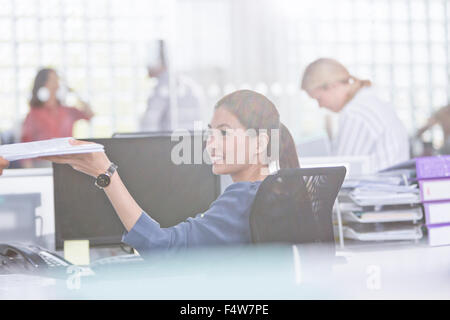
x=47 y=117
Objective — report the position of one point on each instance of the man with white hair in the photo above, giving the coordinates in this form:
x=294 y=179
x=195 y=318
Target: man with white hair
x=368 y=126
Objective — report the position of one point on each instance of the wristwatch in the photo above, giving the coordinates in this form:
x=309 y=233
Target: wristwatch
x=104 y=179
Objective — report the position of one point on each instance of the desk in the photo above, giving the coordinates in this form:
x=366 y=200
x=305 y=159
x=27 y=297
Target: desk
x=257 y=273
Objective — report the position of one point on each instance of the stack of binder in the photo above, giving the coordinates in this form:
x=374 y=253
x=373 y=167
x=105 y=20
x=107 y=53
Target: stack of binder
x=433 y=178
x=381 y=207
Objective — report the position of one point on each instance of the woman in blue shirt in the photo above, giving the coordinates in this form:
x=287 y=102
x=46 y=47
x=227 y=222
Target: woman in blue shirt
x=244 y=127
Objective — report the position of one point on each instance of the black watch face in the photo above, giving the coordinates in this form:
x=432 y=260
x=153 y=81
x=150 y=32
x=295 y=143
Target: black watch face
x=103 y=180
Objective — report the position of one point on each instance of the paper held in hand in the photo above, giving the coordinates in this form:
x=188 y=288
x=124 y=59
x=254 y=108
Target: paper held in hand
x=43 y=148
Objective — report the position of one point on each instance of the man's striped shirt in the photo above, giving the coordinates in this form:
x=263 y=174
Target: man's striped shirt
x=369 y=126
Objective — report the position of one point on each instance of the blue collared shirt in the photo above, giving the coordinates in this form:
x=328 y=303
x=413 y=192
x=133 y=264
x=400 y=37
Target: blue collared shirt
x=225 y=222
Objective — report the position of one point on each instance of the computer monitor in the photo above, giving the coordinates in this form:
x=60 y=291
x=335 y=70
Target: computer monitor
x=169 y=193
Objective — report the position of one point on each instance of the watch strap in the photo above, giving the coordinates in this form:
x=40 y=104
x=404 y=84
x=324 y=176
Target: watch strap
x=112 y=168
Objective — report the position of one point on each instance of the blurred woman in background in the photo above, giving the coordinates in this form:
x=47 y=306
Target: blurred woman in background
x=47 y=117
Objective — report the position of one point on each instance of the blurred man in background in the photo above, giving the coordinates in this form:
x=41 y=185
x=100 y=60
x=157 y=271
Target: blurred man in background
x=368 y=126
x=189 y=96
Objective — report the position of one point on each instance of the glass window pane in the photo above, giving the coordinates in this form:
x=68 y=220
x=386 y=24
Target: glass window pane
x=400 y=32
x=439 y=75
x=381 y=31
x=401 y=76
x=6 y=54
x=25 y=8
x=364 y=54
x=399 y=10
x=52 y=8
x=7 y=79
x=6 y=6
x=420 y=54
x=25 y=80
x=8 y=111
x=52 y=55
x=76 y=54
x=437 y=32
x=381 y=10
x=402 y=100
x=421 y=99
x=382 y=53
x=439 y=98
x=98 y=30
x=5 y=29
x=438 y=54
x=26 y=29
x=363 y=31
x=382 y=76
x=50 y=29
x=100 y=80
x=420 y=75
x=418 y=9
x=419 y=31
x=99 y=55
x=402 y=54
x=75 y=29
x=437 y=12
x=27 y=55
x=74 y=8
x=97 y=8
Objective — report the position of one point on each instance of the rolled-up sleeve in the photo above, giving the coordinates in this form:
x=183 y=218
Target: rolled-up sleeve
x=147 y=234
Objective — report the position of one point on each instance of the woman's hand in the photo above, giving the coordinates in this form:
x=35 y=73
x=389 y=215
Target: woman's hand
x=93 y=164
x=3 y=164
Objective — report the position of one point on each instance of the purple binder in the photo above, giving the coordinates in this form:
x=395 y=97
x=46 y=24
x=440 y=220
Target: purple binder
x=433 y=167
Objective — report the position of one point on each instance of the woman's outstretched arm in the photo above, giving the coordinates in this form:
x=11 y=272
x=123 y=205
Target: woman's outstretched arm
x=94 y=164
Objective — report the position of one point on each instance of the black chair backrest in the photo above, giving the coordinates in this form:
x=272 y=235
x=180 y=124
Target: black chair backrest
x=295 y=206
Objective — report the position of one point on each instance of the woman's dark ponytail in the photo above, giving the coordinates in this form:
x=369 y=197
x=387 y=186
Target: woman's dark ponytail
x=288 y=151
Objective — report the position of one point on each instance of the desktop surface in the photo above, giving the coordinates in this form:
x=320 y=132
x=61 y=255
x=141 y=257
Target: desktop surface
x=252 y=272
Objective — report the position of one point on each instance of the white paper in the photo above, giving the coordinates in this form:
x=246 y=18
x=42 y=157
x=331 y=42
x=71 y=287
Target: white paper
x=52 y=147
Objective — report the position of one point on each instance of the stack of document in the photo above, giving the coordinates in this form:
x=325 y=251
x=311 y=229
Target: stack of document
x=378 y=192
x=384 y=206
x=383 y=232
x=393 y=215
x=43 y=148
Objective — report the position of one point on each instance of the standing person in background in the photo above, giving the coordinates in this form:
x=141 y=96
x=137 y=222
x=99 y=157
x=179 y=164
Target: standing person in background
x=442 y=118
x=189 y=96
x=47 y=117
x=368 y=126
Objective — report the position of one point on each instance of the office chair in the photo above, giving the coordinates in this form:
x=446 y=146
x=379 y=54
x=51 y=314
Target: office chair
x=295 y=206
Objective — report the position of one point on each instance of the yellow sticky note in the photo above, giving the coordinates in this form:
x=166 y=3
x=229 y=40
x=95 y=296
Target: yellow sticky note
x=77 y=251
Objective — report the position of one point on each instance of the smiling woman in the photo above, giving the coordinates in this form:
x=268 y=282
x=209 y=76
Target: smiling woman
x=226 y=221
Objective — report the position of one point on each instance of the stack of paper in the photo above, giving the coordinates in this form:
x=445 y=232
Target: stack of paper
x=410 y=214
x=52 y=147
x=383 y=232
x=383 y=206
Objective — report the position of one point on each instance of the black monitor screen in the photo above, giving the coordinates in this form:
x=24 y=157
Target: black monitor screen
x=168 y=192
